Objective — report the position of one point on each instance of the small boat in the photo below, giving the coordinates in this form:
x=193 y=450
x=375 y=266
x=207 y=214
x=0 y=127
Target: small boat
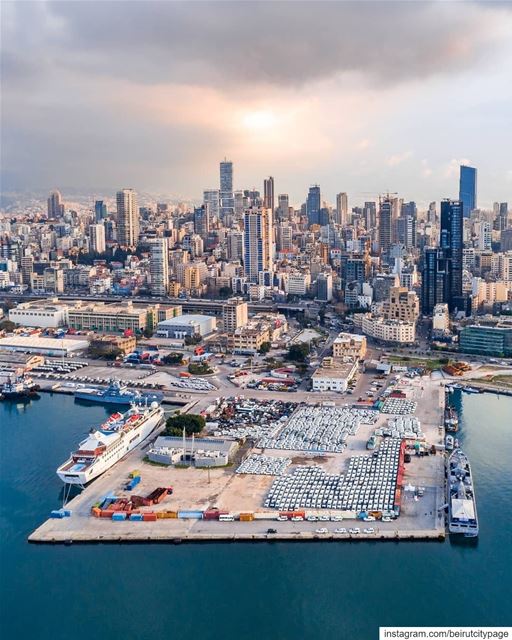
x=449 y=442
x=472 y=390
x=19 y=387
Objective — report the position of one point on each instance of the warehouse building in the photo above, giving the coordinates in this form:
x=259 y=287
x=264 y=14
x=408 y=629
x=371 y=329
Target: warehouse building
x=188 y=325
x=44 y=346
x=333 y=376
x=46 y=314
x=199 y=452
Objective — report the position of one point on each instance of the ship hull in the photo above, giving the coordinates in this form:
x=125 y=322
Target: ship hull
x=80 y=476
x=99 y=397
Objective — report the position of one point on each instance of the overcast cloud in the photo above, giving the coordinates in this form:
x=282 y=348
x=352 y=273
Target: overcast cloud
x=360 y=97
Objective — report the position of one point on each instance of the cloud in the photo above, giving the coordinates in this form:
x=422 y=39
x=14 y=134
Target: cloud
x=426 y=171
x=452 y=169
x=256 y=43
x=398 y=158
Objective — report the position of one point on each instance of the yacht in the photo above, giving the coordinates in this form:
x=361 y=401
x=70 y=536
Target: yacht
x=462 y=515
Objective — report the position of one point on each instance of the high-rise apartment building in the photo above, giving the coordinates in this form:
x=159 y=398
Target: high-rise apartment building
x=258 y=244
x=235 y=245
x=324 y=287
x=313 y=205
x=127 y=218
x=227 y=202
x=234 y=314
x=97 y=238
x=341 y=216
x=268 y=194
x=202 y=220
x=159 y=266
x=211 y=197
x=467 y=189
x=284 y=237
x=385 y=225
x=55 y=206
x=434 y=279
x=27 y=269
x=100 y=211
x=283 y=206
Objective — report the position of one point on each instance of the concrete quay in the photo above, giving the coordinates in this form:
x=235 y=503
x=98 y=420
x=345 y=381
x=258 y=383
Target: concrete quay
x=199 y=489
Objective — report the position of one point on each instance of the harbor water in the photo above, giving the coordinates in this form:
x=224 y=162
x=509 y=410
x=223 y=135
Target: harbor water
x=278 y=591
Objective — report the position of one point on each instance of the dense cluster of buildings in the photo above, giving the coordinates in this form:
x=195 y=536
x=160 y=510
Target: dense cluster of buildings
x=387 y=261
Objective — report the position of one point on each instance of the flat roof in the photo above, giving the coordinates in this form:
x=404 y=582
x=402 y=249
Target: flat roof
x=185 y=320
x=29 y=342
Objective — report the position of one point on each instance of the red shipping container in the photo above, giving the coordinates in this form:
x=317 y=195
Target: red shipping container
x=149 y=517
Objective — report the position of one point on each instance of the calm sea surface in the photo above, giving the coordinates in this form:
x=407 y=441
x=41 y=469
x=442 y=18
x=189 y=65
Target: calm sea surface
x=270 y=591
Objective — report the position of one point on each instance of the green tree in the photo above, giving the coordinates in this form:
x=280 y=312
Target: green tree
x=199 y=368
x=265 y=347
x=191 y=340
x=298 y=352
x=225 y=292
x=192 y=423
x=173 y=358
x=7 y=325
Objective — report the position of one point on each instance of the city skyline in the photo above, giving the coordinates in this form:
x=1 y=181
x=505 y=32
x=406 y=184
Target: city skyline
x=102 y=114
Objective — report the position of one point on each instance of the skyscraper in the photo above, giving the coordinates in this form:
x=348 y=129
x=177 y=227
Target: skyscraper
x=451 y=242
x=370 y=215
x=100 y=211
x=258 y=245
x=268 y=193
x=97 y=237
x=211 y=197
x=283 y=206
x=434 y=279
x=467 y=189
x=127 y=218
x=341 y=209
x=55 y=206
x=159 y=266
x=202 y=220
x=227 y=203
x=385 y=225
x=313 y=205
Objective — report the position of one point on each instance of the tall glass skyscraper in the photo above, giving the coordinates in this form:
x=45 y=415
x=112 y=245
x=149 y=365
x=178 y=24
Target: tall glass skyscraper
x=452 y=244
x=313 y=205
x=467 y=189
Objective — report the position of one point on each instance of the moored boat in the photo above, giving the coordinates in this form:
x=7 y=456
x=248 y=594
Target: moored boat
x=462 y=514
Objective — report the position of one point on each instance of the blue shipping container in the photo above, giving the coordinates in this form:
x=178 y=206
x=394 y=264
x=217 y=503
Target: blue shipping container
x=136 y=516
x=191 y=514
x=119 y=516
x=57 y=513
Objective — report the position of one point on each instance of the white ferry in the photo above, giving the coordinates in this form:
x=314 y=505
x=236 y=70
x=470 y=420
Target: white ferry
x=107 y=444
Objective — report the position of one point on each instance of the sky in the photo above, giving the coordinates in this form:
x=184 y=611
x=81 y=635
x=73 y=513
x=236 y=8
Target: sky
x=361 y=97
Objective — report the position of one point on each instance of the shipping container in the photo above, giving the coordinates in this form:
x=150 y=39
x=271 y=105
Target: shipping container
x=136 y=517
x=211 y=514
x=190 y=514
x=96 y=511
x=149 y=517
x=106 y=513
x=134 y=473
x=119 y=515
x=57 y=513
x=246 y=517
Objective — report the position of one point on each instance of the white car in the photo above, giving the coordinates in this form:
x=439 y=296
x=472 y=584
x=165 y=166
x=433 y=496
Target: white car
x=297 y=518
x=324 y=518
x=312 y=519
x=369 y=530
x=369 y=519
x=386 y=519
x=336 y=518
x=340 y=530
x=282 y=518
x=322 y=530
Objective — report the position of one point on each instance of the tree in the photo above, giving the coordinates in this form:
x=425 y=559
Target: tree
x=265 y=347
x=199 y=368
x=192 y=423
x=190 y=340
x=298 y=352
x=225 y=292
x=7 y=325
x=173 y=358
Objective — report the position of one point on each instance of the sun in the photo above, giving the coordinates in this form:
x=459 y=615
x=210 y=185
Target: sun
x=259 y=120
